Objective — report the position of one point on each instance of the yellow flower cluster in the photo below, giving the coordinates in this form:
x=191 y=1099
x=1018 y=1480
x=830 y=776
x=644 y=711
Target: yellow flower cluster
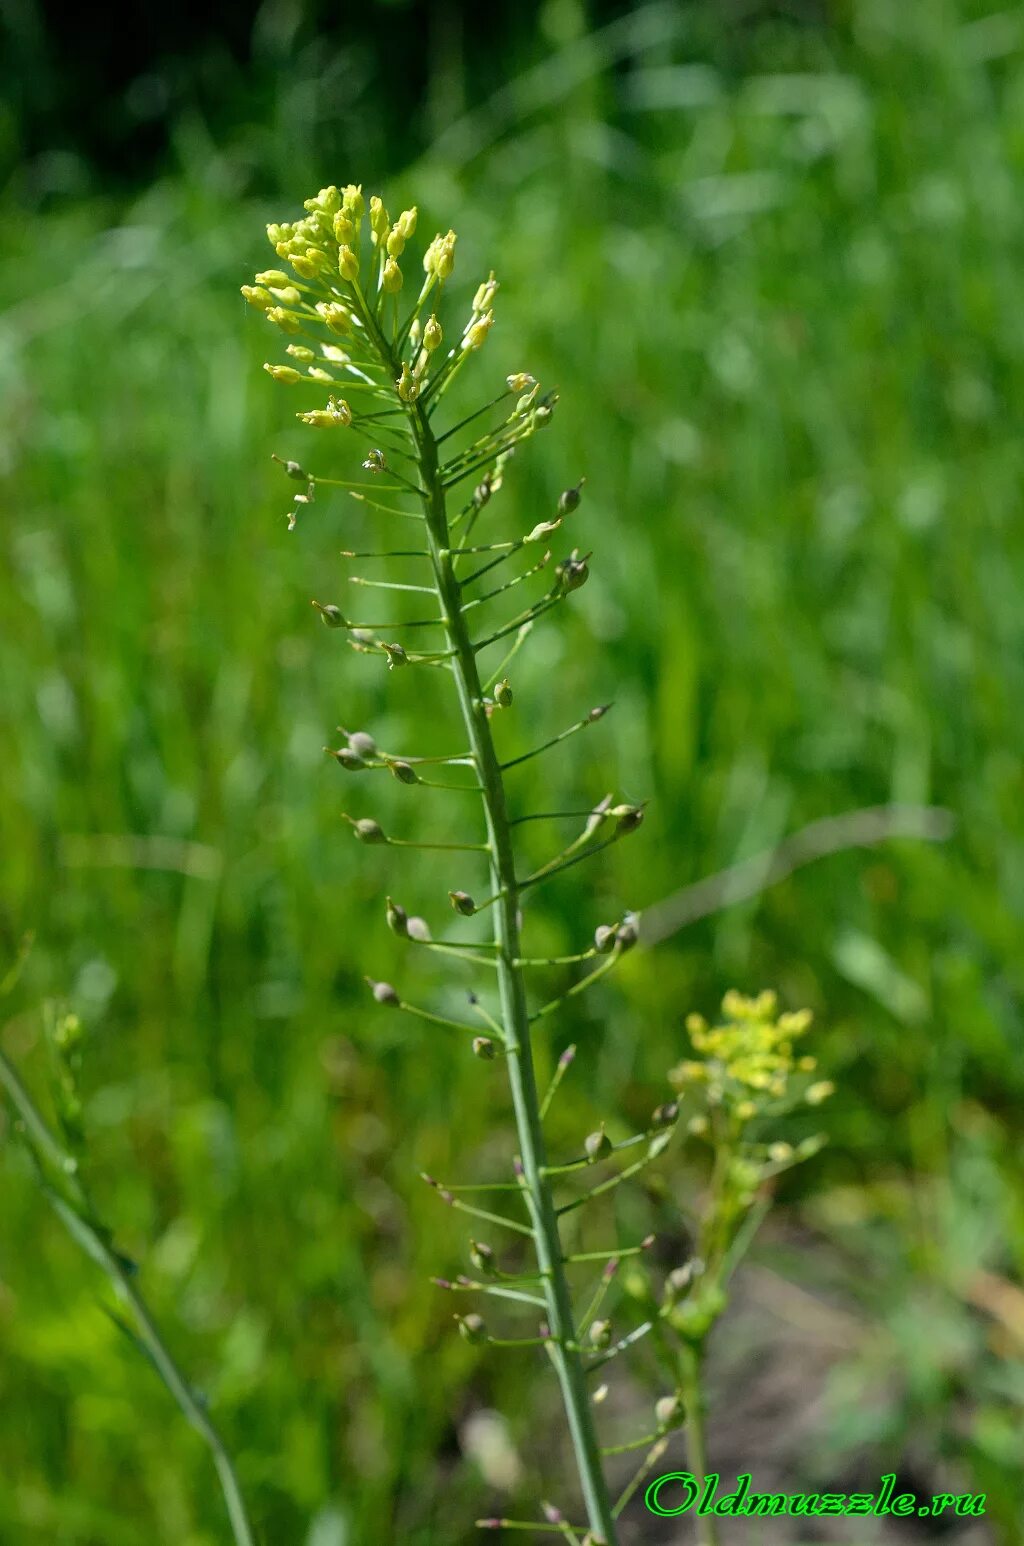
x=746 y=1062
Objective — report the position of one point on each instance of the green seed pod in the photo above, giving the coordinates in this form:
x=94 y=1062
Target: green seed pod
x=665 y=1116
x=680 y=1280
x=628 y=818
x=694 y=1318
x=482 y=1257
x=600 y=1334
x=462 y=902
x=628 y=932
x=482 y=493
x=362 y=744
x=483 y=1047
x=472 y=1328
x=331 y=615
x=573 y=571
x=404 y=772
x=346 y=758
x=398 y=919
x=396 y=655
x=369 y=831
x=570 y=499
x=604 y=938
x=503 y=693
x=383 y=992
x=597 y=1145
x=670 y=1412
x=419 y=930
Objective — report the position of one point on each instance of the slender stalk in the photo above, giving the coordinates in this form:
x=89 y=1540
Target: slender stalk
x=515 y=1015
x=75 y=1213
x=692 y=1386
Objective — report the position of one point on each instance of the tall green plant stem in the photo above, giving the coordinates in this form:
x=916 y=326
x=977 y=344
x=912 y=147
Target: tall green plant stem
x=515 y=1016
x=71 y=1203
x=691 y=1384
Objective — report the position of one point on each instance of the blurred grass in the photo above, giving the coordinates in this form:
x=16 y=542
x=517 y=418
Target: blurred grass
x=777 y=286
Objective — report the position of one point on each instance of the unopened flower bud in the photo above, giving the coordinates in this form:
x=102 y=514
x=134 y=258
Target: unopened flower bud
x=257 y=296
x=779 y=1153
x=300 y=352
x=597 y=1145
x=286 y=373
x=352 y=200
x=337 y=317
x=462 y=902
x=391 y=280
x=383 y=992
x=476 y=334
x=482 y=1257
x=484 y=297
x=569 y=500
x=344 y=229
x=331 y=615
x=398 y=919
x=484 y=1048
x=472 y=1328
x=503 y=693
x=407 y=385
x=670 y=1412
x=348 y=263
x=600 y=1334
x=819 y=1092
x=432 y=334
x=380 y=225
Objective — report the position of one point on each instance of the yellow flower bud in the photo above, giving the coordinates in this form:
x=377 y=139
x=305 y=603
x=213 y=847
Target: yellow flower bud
x=285 y=373
x=445 y=261
x=304 y=266
x=287 y=295
x=316 y=374
x=484 y=297
x=819 y=1092
x=408 y=386
x=477 y=332
x=337 y=317
x=746 y=1110
x=272 y=276
x=344 y=228
x=392 y=277
x=406 y=222
x=334 y=354
x=432 y=334
x=257 y=296
x=395 y=243
x=300 y=352
x=348 y=263
x=327 y=200
x=779 y=1153
x=352 y=200
x=283 y=319
x=379 y=222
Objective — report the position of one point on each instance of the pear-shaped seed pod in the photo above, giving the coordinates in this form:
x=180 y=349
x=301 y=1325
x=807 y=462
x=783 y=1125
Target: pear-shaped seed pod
x=472 y=1328
x=462 y=902
x=362 y=744
x=369 y=831
x=404 y=772
x=597 y=1145
x=483 y=1047
x=398 y=918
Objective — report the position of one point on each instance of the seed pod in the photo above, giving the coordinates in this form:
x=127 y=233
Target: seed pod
x=294 y=470
x=396 y=655
x=472 y=1328
x=398 y=919
x=482 y=1257
x=331 y=615
x=482 y=493
x=503 y=693
x=665 y=1116
x=627 y=933
x=462 y=902
x=362 y=744
x=573 y=571
x=600 y=1334
x=346 y=758
x=484 y=1048
x=628 y=818
x=369 y=831
x=604 y=938
x=598 y=713
x=570 y=499
x=670 y=1412
x=680 y=1280
x=404 y=772
x=419 y=930
x=383 y=992
x=597 y=1145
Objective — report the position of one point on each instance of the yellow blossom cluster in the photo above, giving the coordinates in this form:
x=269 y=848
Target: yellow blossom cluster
x=746 y=1062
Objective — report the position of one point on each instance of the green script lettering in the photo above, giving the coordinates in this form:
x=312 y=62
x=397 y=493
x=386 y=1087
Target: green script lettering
x=732 y=1503
x=804 y=1503
x=975 y=1505
x=860 y=1503
x=762 y=1504
x=653 y=1502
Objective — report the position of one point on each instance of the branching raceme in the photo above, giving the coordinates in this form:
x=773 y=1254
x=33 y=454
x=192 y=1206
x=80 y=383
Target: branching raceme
x=385 y=367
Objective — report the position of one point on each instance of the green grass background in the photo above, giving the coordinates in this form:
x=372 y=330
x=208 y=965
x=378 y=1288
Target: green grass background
x=778 y=286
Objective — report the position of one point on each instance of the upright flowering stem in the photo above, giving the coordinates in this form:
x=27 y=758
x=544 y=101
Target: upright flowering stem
x=515 y=1016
